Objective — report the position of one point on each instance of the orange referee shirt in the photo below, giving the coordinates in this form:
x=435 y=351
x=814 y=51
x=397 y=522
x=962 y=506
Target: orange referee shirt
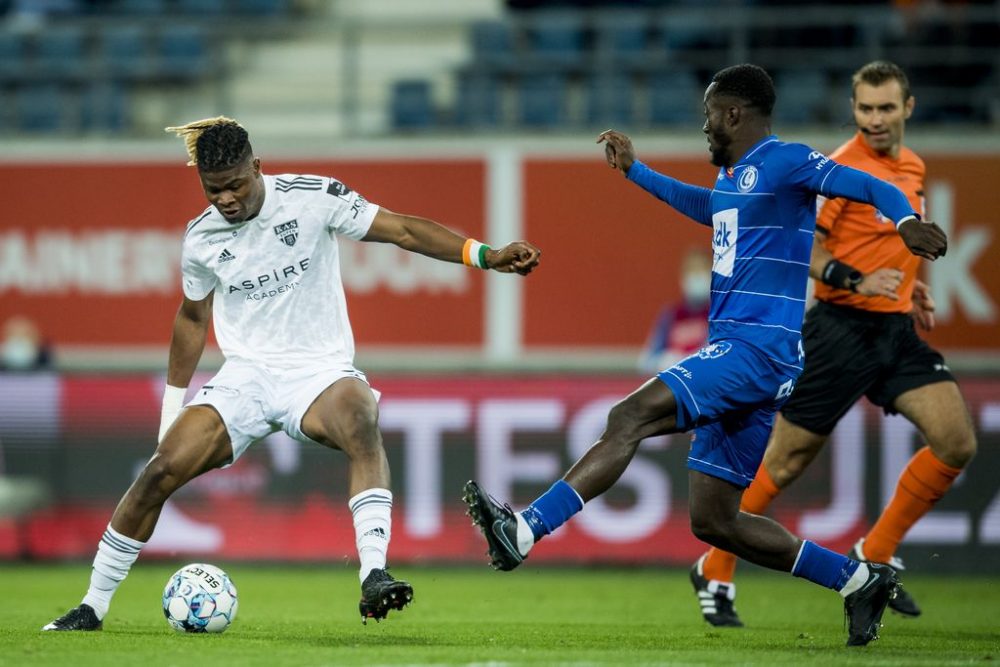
x=858 y=234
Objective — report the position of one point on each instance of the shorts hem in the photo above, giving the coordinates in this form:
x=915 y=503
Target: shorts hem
x=717 y=471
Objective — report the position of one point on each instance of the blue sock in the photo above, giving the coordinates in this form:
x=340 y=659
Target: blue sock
x=822 y=566
x=552 y=509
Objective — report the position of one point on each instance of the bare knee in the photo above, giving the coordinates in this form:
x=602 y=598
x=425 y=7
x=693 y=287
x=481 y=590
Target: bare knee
x=790 y=452
x=360 y=436
x=711 y=527
x=956 y=449
x=159 y=479
x=624 y=421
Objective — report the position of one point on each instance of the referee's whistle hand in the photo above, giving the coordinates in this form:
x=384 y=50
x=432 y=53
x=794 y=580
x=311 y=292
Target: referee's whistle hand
x=924 y=239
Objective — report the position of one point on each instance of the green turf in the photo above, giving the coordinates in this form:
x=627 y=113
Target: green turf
x=308 y=616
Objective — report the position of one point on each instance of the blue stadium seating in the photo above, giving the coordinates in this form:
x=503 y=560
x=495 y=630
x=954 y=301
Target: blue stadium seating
x=556 y=38
x=204 y=7
x=493 y=44
x=802 y=96
x=104 y=107
x=412 y=105
x=674 y=98
x=122 y=52
x=263 y=7
x=479 y=101
x=141 y=6
x=610 y=101
x=40 y=108
x=183 y=51
x=60 y=52
x=12 y=55
x=623 y=39
x=542 y=100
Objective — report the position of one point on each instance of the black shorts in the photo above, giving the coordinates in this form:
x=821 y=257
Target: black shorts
x=852 y=353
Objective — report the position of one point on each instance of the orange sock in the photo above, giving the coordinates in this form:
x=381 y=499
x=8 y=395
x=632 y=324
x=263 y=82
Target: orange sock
x=721 y=565
x=923 y=481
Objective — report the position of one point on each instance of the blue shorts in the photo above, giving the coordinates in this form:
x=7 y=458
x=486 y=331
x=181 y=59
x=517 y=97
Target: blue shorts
x=728 y=393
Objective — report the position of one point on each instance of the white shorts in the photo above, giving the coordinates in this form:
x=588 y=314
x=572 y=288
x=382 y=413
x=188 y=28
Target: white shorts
x=255 y=402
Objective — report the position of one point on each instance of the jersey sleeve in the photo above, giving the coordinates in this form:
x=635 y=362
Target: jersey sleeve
x=691 y=200
x=813 y=171
x=349 y=213
x=197 y=280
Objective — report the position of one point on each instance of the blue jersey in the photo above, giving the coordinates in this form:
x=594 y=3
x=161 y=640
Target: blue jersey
x=762 y=211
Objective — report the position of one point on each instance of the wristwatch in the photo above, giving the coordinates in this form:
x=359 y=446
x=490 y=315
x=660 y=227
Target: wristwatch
x=854 y=279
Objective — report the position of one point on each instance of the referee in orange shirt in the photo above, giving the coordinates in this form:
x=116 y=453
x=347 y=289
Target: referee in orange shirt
x=860 y=340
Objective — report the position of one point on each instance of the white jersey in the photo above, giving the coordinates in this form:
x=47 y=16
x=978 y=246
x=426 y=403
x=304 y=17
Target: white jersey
x=279 y=299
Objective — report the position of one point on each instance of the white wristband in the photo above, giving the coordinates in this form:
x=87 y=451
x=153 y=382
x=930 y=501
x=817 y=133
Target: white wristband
x=907 y=219
x=173 y=403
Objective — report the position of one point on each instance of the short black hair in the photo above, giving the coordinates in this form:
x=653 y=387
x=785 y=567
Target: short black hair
x=749 y=83
x=223 y=146
x=878 y=72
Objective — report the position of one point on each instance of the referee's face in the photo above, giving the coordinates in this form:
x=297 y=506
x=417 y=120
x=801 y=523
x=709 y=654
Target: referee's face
x=237 y=193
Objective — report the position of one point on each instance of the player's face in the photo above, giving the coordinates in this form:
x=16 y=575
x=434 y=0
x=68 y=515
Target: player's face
x=880 y=113
x=719 y=137
x=237 y=193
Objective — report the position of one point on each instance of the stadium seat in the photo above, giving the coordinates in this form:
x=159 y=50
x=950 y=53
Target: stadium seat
x=802 y=96
x=40 y=108
x=203 y=7
x=122 y=52
x=674 y=98
x=141 y=6
x=479 y=102
x=60 y=52
x=12 y=55
x=610 y=101
x=104 y=107
x=263 y=7
x=412 y=105
x=493 y=44
x=183 y=52
x=556 y=38
x=691 y=29
x=622 y=39
x=542 y=100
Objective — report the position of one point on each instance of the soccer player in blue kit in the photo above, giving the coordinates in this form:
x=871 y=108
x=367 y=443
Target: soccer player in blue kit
x=762 y=211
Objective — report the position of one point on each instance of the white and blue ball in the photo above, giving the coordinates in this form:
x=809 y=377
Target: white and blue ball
x=200 y=598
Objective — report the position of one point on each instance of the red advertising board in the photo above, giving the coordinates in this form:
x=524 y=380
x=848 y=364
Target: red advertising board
x=91 y=251
x=85 y=437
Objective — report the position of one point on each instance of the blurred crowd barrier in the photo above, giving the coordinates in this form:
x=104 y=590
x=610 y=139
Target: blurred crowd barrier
x=80 y=439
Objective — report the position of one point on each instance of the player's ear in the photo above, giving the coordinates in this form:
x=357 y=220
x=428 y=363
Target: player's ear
x=734 y=114
x=908 y=105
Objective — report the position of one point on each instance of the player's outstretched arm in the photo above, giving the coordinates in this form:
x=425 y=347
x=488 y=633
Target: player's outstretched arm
x=691 y=200
x=429 y=238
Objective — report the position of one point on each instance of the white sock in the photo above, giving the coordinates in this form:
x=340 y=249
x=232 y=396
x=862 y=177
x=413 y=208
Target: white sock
x=856 y=581
x=115 y=555
x=525 y=538
x=372 y=511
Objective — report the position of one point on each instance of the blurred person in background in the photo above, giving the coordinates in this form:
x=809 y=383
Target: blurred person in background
x=681 y=328
x=860 y=340
x=262 y=261
x=23 y=348
x=762 y=211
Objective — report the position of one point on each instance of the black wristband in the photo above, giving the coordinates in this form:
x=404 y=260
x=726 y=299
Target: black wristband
x=840 y=275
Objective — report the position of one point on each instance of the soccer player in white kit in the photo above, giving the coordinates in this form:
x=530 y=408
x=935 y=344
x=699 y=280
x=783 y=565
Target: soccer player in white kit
x=262 y=262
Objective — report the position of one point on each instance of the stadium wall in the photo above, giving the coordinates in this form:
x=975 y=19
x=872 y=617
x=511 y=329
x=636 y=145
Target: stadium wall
x=84 y=437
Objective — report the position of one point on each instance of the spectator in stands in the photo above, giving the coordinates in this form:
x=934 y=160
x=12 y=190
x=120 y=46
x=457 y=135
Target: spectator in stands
x=681 y=328
x=23 y=347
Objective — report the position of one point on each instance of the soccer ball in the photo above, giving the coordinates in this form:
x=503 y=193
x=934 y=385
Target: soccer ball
x=200 y=598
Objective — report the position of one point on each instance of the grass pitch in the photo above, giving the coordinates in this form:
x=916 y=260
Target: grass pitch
x=543 y=616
